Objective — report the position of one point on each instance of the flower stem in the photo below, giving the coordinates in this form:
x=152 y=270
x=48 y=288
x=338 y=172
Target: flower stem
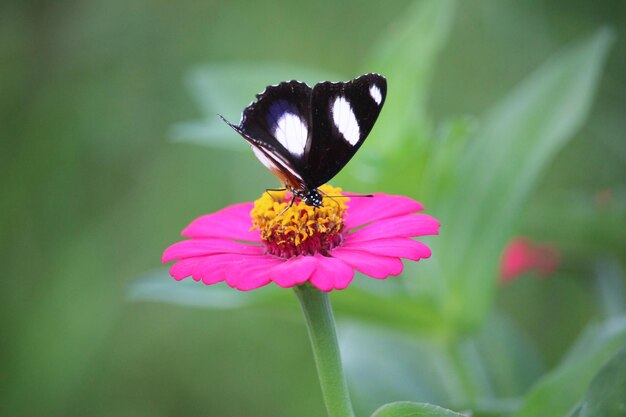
x=320 y=322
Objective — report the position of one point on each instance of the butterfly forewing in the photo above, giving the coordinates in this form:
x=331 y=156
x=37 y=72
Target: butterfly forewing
x=281 y=119
x=306 y=136
x=343 y=115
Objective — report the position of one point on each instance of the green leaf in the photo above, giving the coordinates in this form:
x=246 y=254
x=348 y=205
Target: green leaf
x=502 y=361
x=227 y=89
x=606 y=396
x=409 y=409
x=449 y=142
x=159 y=286
x=611 y=287
x=515 y=142
x=560 y=390
x=488 y=372
x=368 y=305
x=383 y=365
x=406 y=55
x=592 y=232
x=393 y=310
x=370 y=302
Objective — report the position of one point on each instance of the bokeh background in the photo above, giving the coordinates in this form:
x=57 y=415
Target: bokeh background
x=101 y=169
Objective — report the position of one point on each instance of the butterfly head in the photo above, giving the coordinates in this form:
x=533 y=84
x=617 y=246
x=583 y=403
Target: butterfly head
x=310 y=197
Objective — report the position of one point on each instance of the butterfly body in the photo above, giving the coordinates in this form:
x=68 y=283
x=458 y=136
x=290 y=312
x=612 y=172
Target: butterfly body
x=310 y=196
x=305 y=135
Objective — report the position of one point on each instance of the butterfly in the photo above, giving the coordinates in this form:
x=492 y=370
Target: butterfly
x=305 y=135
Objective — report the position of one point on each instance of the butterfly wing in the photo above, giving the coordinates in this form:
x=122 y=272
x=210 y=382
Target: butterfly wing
x=343 y=114
x=306 y=136
x=278 y=127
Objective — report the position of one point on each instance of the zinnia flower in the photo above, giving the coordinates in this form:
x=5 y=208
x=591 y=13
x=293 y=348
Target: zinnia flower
x=522 y=256
x=249 y=245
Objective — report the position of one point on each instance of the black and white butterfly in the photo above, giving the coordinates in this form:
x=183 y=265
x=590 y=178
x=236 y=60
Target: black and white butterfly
x=305 y=135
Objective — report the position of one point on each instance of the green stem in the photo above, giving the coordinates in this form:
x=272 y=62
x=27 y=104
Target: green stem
x=321 y=325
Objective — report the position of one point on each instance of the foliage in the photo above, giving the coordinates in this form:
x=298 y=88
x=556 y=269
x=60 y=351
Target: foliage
x=94 y=192
x=477 y=178
x=408 y=409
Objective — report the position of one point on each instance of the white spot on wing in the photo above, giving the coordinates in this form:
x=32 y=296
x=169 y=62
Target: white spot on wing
x=272 y=166
x=269 y=164
x=292 y=133
x=345 y=120
x=375 y=93
x=285 y=165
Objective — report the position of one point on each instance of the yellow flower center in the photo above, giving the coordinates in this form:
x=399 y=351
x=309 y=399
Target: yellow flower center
x=301 y=229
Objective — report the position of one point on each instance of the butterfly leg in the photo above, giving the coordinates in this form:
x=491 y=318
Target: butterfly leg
x=293 y=199
x=267 y=190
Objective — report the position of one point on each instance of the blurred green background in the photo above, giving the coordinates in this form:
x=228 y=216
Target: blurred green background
x=93 y=189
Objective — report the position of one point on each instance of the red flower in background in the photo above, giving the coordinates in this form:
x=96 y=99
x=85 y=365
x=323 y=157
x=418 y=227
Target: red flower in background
x=522 y=256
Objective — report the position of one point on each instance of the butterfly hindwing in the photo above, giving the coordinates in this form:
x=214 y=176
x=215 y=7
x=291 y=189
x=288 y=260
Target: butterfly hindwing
x=271 y=158
x=343 y=114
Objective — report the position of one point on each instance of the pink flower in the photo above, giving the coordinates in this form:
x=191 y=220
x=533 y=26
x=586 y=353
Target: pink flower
x=249 y=245
x=522 y=256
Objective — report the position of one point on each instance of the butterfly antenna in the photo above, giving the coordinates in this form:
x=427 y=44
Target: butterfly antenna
x=356 y=195
x=332 y=197
x=267 y=190
x=345 y=196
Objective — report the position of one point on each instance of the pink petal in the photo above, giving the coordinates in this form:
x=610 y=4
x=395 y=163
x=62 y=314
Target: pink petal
x=250 y=272
x=382 y=206
x=183 y=269
x=255 y=278
x=232 y=222
x=212 y=269
x=399 y=247
x=293 y=272
x=368 y=264
x=331 y=273
x=402 y=226
x=203 y=247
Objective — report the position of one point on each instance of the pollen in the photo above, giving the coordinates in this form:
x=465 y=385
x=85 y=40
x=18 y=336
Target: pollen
x=301 y=229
